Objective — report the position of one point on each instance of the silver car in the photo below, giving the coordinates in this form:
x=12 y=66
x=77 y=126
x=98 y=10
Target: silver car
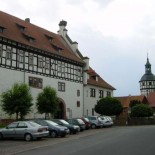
x=107 y=121
x=27 y=130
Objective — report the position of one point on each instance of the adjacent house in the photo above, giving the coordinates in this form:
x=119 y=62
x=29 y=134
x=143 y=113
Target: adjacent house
x=125 y=101
x=151 y=100
x=38 y=57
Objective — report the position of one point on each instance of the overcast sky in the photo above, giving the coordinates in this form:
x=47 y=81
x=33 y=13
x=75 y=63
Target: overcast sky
x=115 y=34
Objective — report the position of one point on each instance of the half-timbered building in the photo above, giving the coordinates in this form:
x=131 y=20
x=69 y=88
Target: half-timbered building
x=35 y=56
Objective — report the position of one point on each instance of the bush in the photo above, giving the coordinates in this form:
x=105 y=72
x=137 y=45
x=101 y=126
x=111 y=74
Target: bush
x=141 y=110
x=108 y=106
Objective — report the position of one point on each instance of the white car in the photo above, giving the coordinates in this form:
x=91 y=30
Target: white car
x=106 y=121
x=27 y=130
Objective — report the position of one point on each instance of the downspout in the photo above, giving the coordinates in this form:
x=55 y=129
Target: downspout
x=83 y=100
x=24 y=67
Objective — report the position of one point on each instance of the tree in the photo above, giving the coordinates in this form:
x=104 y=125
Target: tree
x=108 y=106
x=47 y=101
x=141 y=110
x=17 y=100
x=134 y=102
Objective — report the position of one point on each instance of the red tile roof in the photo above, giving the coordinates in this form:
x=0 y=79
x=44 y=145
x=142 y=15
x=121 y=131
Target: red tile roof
x=13 y=32
x=125 y=100
x=151 y=99
x=100 y=82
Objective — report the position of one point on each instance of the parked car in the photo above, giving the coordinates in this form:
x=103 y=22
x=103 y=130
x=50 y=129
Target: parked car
x=77 y=121
x=55 y=130
x=95 y=121
x=87 y=122
x=27 y=130
x=107 y=121
x=73 y=128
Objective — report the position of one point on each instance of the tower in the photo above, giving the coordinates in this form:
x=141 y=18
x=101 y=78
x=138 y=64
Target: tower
x=147 y=81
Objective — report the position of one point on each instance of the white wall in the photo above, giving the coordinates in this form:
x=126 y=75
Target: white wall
x=9 y=77
x=90 y=102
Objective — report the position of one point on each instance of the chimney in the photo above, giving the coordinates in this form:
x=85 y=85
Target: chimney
x=74 y=46
x=62 y=28
x=27 y=20
x=86 y=60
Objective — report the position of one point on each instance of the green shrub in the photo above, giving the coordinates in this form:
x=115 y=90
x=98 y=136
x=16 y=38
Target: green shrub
x=2 y=126
x=141 y=110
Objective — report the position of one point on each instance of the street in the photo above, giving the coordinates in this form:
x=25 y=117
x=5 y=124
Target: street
x=137 y=140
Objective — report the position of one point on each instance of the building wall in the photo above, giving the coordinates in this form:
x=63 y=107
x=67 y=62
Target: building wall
x=9 y=77
x=90 y=102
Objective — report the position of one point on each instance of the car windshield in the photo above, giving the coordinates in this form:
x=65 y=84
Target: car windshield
x=63 y=121
x=51 y=122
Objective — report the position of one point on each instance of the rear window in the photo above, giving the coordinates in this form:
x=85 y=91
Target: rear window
x=12 y=125
x=80 y=121
x=33 y=124
x=86 y=119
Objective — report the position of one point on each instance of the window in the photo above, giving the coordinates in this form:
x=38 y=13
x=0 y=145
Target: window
x=12 y=125
x=31 y=60
x=78 y=103
x=108 y=93
x=61 y=86
x=92 y=92
x=8 y=53
x=2 y=29
x=61 y=67
x=47 y=64
x=1 y=51
x=78 y=92
x=22 y=125
x=101 y=93
x=150 y=83
x=40 y=62
x=35 y=82
x=79 y=71
x=20 y=56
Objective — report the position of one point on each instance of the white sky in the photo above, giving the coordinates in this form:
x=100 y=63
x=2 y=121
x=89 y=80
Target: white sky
x=115 y=34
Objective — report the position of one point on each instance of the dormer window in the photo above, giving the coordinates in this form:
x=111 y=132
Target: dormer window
x=95 y=77
x=29 y=38
x=21 y=27
x=57 y=48
x=49 y=37
x=2 y=29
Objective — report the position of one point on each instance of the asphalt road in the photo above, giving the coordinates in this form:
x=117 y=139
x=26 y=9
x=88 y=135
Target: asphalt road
x=138 y=140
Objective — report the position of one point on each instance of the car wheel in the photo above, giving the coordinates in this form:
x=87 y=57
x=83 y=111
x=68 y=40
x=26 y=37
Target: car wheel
x=1 y=136
x=63 y=136
x=28 y=137
x=53 y=134
x=93 y=126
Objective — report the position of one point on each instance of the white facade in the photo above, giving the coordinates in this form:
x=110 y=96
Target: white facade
x=39 y=61
x=91 y=101
x=9 y=77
